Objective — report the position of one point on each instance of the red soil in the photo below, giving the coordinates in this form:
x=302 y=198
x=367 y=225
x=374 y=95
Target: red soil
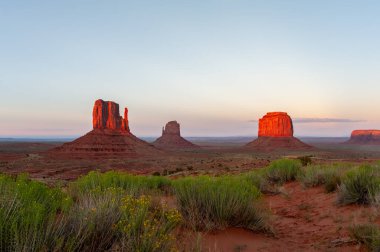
x=303 y=220
x=277 y=143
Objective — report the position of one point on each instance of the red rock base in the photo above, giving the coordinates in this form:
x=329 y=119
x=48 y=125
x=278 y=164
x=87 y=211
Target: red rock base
x=277 y=143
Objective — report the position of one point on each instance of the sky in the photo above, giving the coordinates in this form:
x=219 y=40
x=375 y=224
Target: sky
x=215 y=66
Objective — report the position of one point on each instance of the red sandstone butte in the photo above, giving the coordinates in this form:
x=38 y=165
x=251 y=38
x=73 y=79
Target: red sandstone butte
x=110 y=135
x=105 y=115
x=365 y=137
x=276 y=124
x=171 y=138
x=276 y=132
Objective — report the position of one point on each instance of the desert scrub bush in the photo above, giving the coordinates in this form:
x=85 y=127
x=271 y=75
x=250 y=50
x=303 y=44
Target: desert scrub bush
x=27 y=210
x=327 y=175
x=90 y=223
x=368 y=234
x=305 y=160
x=146 y=227
x=360 y=185
x=208 y=203
x=131 y=184
x=283 y=170
x=259 y=180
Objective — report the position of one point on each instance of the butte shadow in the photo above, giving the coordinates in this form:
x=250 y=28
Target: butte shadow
x=110 y=136
x=276 y=133
x=171 y=138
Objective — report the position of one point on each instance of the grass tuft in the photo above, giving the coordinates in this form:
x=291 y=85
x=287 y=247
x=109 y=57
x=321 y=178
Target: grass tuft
x=328 y=176
x=209 y=203
x=131 y=184
x=360 y=185
x=283 y=170
x=368 y=234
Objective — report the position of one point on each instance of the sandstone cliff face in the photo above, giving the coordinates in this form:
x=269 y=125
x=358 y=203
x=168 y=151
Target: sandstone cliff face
x=365 y=137
x=105 y=115
x=276 y=124
x=171 y=138
x=276 y=132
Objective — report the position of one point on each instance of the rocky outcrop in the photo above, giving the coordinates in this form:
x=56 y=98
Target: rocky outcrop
x=105 y=115
x=276 y=132
x=171 y=128
x=110 y=136
x=171 y=138
x=365 y=137
x=276 y=124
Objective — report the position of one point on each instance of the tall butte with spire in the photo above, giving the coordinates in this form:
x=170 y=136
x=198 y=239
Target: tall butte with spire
x=171 y=138
x=110 y=135
x=276 y=132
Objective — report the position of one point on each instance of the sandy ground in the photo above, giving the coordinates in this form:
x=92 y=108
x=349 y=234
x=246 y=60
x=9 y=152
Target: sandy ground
x=215 y=157
x=303 y=220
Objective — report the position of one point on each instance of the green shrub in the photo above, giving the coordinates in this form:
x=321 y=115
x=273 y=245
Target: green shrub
x=368 y=234
x=27 y=209
x=145 y=226
x=316 y=175
x=259 y=180
x=305 y=160
x=131 y=184
x=283 y=170
x=360 y=185
x=208 y=203
x=90 y=223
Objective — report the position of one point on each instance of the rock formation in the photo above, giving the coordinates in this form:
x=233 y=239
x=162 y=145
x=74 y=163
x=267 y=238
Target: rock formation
x=365 y=137
x=110 y=135
x=276 y=124
x=171 y=138
x=105 y=115
x=276 y=132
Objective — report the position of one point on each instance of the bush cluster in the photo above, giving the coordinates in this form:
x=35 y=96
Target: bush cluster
x=208 y=203
x=360 y=185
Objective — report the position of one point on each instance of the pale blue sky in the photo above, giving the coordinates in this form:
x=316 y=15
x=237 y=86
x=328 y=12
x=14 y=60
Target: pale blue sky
x=212 y=65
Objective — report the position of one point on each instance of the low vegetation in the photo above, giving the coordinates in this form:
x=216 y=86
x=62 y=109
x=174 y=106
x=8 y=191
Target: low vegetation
x=102 y=214
x=283 y=170
x=327 y=175
x=208 y=203
x=131 y=184
x=368 y=234
x=122 y=212
x=27 y=211
x=360 y=185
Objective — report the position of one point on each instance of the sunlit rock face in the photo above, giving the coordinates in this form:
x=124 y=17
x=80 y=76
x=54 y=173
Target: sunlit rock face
x=105 y=115
x=110 y=136
x=365 y=137
x=171 y=138
x=276 y=124
x=276 y=132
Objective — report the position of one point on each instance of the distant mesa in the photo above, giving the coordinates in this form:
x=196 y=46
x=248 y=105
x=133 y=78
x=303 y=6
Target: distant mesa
x=110 y=135
x=370 y=137
x=276 y=132
x=171 y=138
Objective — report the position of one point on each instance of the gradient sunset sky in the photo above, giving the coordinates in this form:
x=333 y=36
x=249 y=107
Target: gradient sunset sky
x=214 y=66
